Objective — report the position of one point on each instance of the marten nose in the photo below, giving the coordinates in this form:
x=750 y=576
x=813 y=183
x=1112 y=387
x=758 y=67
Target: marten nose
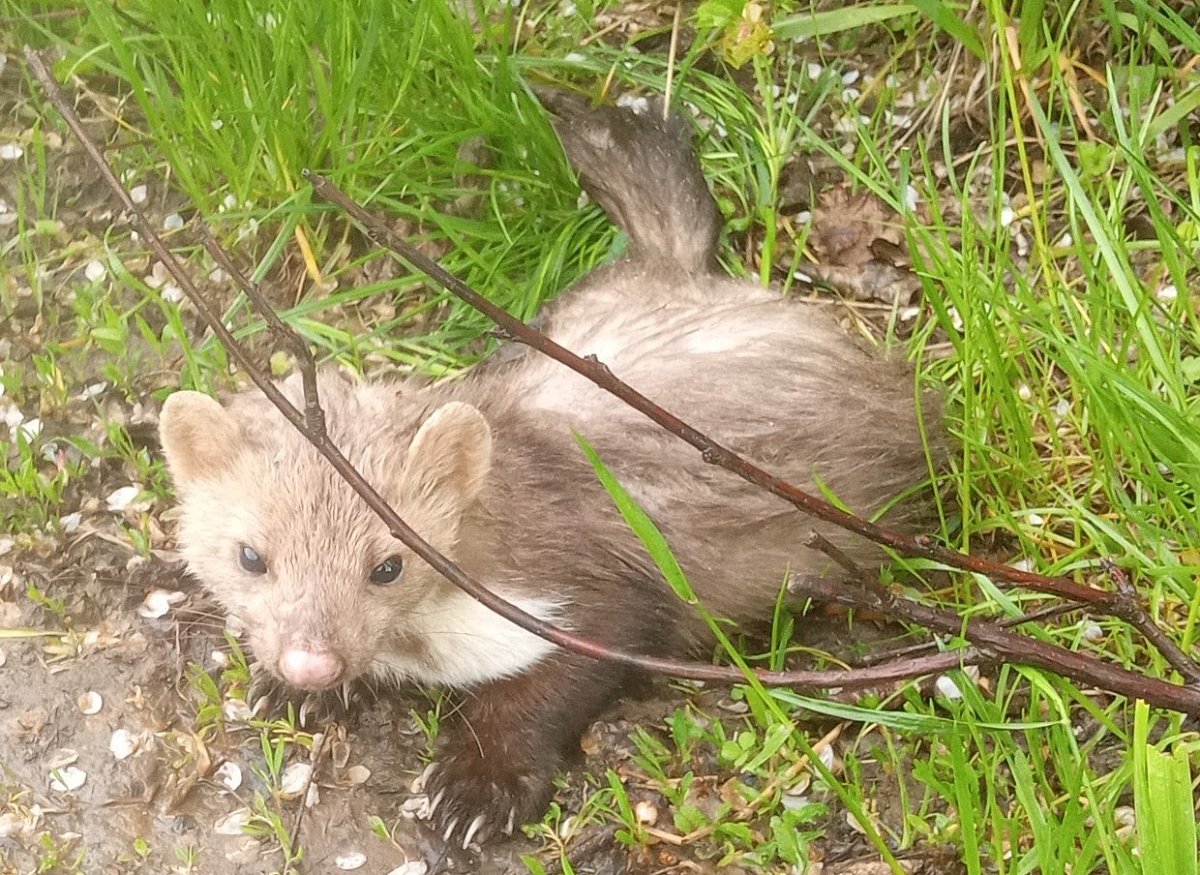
x=311 y=669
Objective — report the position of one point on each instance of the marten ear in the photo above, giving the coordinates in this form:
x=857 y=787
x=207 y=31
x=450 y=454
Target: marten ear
x=449 y=458
x=199 y=437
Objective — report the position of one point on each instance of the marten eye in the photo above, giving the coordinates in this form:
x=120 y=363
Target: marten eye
x=250 y=560
x=388 y=570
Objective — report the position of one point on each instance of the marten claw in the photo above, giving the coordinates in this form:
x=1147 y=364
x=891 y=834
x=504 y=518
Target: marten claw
x=435 y=801
x=475 y=826
x=469 y=804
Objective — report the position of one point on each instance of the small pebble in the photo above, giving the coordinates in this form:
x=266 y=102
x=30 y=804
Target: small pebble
x=138 y=194
x=173 y=222
x=94 y=271
x=10 y=151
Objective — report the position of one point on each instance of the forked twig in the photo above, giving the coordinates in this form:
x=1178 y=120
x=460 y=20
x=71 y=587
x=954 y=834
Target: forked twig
x=989 y=638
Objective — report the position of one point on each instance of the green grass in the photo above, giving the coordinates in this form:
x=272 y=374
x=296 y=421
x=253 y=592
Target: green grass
x=1048 y=250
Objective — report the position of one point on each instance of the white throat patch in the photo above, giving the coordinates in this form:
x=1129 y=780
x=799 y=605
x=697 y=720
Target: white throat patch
x=467 y=644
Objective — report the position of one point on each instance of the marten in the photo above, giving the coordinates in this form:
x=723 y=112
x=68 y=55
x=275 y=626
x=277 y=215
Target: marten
x=488 y=469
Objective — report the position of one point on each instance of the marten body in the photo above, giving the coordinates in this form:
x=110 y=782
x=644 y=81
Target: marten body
x=487 y=469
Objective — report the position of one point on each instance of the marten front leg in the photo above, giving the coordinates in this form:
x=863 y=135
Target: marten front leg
x=495 y=772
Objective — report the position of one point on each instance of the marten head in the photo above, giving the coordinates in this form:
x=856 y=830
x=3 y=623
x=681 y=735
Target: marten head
x=325 y=592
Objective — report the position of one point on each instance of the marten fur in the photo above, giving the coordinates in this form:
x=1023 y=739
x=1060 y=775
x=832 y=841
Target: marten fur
x=488 y=470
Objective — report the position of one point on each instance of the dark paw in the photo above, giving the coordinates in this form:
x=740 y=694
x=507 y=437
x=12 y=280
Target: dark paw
x=473 y=800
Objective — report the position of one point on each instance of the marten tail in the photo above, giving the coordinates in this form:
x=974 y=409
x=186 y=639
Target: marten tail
x=643 y=170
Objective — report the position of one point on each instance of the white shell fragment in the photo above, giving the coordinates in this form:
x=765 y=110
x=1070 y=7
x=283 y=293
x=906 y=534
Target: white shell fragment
x=121 y=498
x=10 y=152
x=95 y=271
x=294 y=780
x=90 y=703
x=236 y=710
x=416 y=808
x=947 y=689
x=827 y=757
x=233 y=823
x=158 y=602
x=412 y=867
x=10 y=824
x=229 y=775
x=30 y=429
x=646 y=813
x=61 y=758
x=67 y=780
x=123 y=744
x=350 y=861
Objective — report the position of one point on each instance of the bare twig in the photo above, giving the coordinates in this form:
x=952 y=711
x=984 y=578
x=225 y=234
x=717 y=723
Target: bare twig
x=914 y=650
x=993 y=641
x=1146 y=625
